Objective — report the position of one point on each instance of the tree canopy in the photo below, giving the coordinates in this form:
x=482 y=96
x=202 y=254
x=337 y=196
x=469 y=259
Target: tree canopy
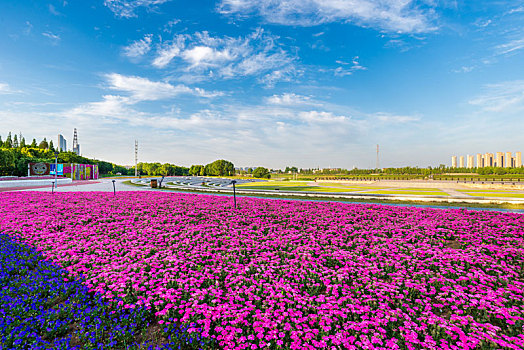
x=219 y=167
x=261 y=173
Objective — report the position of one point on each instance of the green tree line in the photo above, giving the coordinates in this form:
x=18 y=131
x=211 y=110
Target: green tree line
x=16 y=154
x=442 y=169
x=219 y=167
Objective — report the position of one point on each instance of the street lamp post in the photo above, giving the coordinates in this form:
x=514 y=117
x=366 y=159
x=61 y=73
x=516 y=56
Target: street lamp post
x=114 y=189
x=234 y=192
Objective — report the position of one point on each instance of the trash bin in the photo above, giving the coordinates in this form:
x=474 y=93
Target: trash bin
x=154 y=183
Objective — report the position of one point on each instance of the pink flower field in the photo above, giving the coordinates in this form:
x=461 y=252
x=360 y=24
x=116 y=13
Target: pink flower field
x=276 y=274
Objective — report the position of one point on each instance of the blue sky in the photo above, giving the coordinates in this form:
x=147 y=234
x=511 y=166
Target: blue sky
x=273 y=83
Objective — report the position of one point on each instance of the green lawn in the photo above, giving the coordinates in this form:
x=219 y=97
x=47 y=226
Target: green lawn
x=411 y=192
x=416 y=189
x=496 y=194
x=275 y=183
x=489 y=190
x=349 y=186
x=301 y=188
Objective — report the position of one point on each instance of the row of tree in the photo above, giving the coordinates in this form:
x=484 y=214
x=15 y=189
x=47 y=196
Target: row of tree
x=219 y=167
x=15 y=155
x=442 y=169
x=14 y=161
x=18 y=141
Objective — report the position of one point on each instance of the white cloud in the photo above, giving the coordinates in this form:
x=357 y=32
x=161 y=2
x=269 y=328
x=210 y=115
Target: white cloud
x=516 y=10
x=288 y=99
x=28 y=28
x=143 y=89
x=341 y=72
x=207 y=57
x=167 y=52
x=347 y=68
x=6 y=89
x=110 y=106
x=281 y=125
x=204 y=56
x=54 y=11
x=287 y=73
x=403 y=16
x=322 y=117
x=169 y=25
x=139 y=47
x=464 y=69
x=127 y=8
x=510 y=46
x=482 y=23
x=55 y=38
x=137 y=89
x=506 y=97
x=395 y=119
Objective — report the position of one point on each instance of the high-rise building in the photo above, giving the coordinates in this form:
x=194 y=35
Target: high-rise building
x=508 y=160
x=470 y=162
x=490 y=159
x=454 y=161
x=62 y=144
x=500 y=160
x=480 y=161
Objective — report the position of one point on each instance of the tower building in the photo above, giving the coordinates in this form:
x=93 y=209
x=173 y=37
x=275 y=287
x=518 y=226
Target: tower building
x=500 y=160
x=470 y=162
x=62 y=144
x=508 y=159
x=480 y=161
x=76 y=146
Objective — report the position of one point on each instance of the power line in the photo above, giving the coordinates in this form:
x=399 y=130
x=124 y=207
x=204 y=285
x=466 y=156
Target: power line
x=136 y=157
x=378 y=164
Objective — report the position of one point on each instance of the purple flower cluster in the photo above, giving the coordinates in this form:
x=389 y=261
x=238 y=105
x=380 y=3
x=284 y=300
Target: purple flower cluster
x=283 y=274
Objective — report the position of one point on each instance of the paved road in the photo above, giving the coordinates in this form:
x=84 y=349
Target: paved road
x=103 y=185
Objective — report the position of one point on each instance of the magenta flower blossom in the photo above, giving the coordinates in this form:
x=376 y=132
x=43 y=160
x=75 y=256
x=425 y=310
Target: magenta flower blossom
x=299 y=275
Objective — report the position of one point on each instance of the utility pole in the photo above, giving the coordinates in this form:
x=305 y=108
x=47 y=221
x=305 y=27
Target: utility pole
x=136 y=157
x=378 y=164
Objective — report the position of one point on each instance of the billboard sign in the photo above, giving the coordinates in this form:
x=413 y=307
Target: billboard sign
x=60 y=169
x=38 y=169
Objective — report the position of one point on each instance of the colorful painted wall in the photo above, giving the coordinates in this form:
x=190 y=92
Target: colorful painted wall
x=73 y=171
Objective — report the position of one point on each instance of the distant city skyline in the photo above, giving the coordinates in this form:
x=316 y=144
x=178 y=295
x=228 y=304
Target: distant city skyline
x=497 y=159
x=273 y=83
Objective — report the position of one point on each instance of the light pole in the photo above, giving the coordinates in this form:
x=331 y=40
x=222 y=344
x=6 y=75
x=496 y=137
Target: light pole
x=234 y=192
x=114 y=189
x=56 y=169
